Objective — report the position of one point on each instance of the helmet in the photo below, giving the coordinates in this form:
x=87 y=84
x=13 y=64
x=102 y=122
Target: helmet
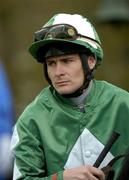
x=66 y=28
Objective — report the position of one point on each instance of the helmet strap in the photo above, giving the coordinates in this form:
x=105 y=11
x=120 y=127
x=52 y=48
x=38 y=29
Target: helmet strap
x=89 y=73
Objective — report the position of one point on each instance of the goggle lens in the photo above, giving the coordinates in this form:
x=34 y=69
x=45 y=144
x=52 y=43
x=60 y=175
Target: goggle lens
x=61 y=31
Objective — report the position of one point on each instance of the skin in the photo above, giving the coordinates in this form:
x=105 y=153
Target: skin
x=66 y=72
x=83 y=173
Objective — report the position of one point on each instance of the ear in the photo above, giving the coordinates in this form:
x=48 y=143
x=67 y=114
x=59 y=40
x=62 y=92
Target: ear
x=91 y=62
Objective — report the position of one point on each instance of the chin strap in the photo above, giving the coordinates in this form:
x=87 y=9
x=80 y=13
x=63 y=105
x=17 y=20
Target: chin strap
x=88 y=73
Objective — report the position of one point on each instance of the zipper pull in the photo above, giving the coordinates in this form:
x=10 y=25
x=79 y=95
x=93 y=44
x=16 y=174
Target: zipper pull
x=81 y=107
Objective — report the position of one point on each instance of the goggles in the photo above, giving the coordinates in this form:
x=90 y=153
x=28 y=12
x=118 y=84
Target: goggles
x=64 y=32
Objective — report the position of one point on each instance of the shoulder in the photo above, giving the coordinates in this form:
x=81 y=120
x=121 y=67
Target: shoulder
x=38 y=108
x=42 y=98
x=110 y=90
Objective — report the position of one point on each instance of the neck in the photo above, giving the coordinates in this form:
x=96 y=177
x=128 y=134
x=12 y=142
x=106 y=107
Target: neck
x=80 y=99
x=79 y=92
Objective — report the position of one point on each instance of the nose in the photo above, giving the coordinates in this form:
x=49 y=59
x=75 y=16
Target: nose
x=59 y=70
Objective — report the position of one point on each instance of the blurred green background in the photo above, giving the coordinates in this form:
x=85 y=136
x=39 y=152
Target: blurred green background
x=20 y=19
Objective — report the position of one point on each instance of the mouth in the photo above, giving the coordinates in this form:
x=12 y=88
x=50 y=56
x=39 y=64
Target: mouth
x=61 y=83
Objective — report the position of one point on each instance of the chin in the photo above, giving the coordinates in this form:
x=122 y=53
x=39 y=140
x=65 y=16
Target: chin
x=64 y=92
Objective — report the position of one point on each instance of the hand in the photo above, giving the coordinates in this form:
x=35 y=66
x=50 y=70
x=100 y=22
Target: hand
x=83 y=173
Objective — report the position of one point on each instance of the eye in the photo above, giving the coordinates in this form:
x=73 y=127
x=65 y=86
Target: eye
x=50 y=62
x=66 y=61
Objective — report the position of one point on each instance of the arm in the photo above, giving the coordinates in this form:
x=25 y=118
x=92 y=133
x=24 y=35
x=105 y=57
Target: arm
x=30 y=163
x=29 y=155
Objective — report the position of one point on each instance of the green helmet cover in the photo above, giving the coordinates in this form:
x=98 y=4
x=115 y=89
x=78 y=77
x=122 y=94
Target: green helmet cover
x=83 y=27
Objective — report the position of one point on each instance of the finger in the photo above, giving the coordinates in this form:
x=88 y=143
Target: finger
x=98 y=173
x=92 y=177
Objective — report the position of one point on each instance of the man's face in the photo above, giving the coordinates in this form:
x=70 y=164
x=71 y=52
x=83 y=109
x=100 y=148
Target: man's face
x=66 y=73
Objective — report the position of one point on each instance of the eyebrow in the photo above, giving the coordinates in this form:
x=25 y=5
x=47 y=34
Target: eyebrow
x=62 y=58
